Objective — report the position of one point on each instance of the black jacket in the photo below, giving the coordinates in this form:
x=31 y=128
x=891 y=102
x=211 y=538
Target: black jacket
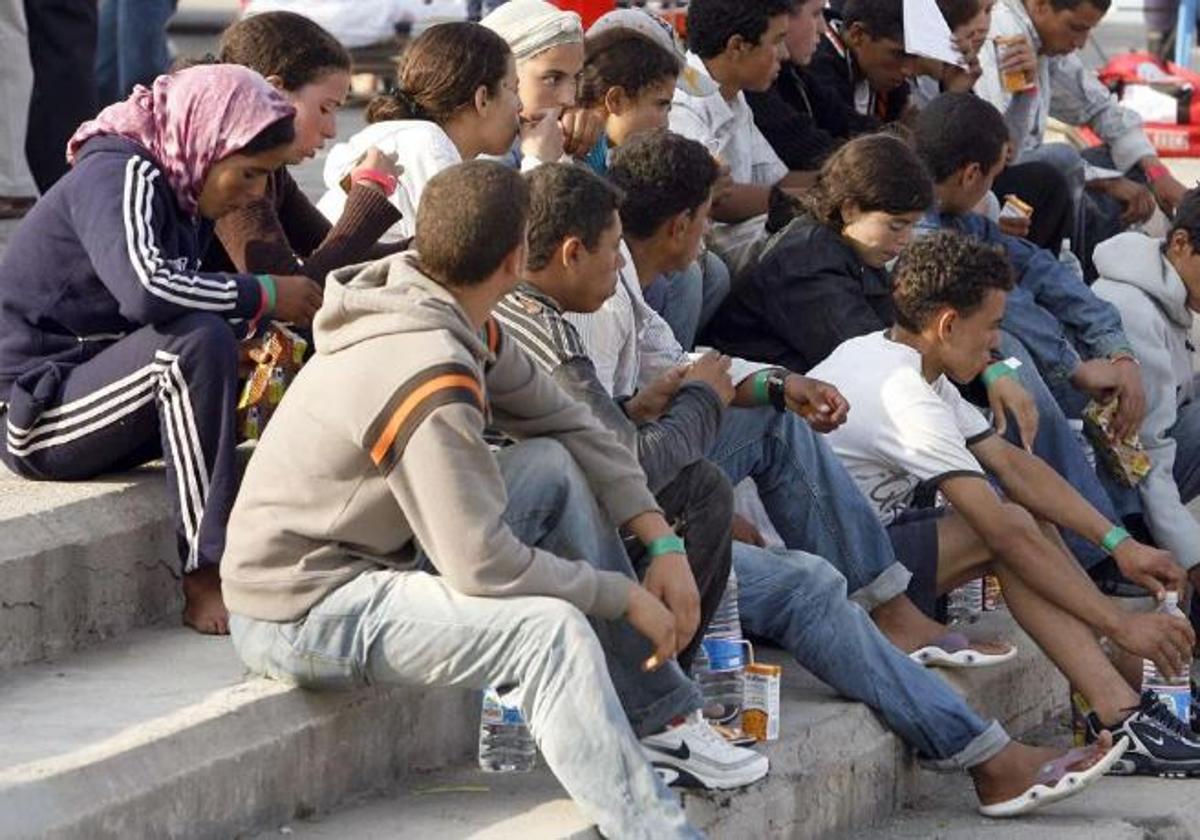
x=837 y=75
x=799 y=119
x=808 y=294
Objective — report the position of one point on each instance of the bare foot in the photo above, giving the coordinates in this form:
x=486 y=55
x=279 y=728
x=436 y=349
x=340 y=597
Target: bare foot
x=1015 y=768
x=203 y=607
x=909 y=629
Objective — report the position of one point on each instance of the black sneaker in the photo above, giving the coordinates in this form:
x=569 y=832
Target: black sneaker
x=1160 y=744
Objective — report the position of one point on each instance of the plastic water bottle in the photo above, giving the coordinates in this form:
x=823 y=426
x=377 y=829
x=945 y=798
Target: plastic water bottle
x=719 y=666
x=1089 y=454
x=1067 y=257
x=505 y=743
x=966 y=602
x=1176 y=694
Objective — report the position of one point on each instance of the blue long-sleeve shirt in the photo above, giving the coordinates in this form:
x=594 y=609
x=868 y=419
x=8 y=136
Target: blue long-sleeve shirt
x=106 y=251
x=1051 y=310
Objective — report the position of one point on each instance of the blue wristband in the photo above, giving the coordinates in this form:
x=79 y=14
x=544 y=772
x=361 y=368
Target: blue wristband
x=671 y=544
x=1115 y=536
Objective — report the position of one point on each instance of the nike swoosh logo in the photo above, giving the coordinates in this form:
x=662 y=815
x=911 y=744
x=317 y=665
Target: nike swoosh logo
x=682 y=752
x=1156 y=741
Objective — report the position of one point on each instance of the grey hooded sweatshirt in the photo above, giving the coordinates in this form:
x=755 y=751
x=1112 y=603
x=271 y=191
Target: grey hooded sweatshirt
x=1136 y=277
x=379 y=443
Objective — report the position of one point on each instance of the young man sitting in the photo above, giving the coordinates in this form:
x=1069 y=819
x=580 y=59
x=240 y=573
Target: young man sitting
x=375 y=474
x=1047 y=36
x=811 y=501
x=736 y=45
x=911 y=427
x=629 y=76
x=795 y=599
x=1155 y=285
x=1051 y=312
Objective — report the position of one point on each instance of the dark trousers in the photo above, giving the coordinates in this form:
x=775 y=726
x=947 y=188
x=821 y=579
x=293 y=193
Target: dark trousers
x=62 y=49
x=699 y=502
x=168 y=390
x=1045 y=189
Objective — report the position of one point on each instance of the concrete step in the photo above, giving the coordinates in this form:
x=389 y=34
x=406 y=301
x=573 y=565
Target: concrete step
x=83 y=561
x=836 y=769
x=159 y=734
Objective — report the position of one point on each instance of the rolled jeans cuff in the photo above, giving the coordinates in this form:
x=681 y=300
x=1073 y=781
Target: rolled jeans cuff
x=892 y=582
x=679 y=702
x=983 y=747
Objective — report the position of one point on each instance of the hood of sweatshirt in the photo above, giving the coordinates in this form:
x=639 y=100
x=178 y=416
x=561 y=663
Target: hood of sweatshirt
x=1137 y=260
x=389 y=297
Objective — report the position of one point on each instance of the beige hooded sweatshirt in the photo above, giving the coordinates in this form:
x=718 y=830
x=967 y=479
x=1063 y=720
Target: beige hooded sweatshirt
x=379 y=443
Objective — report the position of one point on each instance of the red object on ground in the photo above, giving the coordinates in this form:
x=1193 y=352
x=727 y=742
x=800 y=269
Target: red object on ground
x=588 y=10
x=1180 y=138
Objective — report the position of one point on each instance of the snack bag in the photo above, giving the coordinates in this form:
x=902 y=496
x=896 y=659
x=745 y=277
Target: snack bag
x=278 y=354
x=1126 y=459
x=760 y=715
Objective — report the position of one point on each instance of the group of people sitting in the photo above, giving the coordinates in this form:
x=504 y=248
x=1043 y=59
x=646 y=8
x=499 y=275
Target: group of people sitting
x=506 y=463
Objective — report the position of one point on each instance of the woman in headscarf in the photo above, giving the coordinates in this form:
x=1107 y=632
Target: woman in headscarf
x=114 y=348
x=547 y=43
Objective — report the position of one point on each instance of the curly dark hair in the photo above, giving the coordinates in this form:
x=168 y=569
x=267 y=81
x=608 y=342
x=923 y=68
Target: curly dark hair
x=440 y=72
x=662 y=175
x=946 y=269
x=958 y=12
x=1187 y=218
x=626 y=59
x=471 y=217
x=1063 y=5
x=566 y=199
x=877 y=172
x=283 y=44
x=711 y=23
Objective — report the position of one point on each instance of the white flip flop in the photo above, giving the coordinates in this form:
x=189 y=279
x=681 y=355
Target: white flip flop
x=954 y=650
x=1044 y=791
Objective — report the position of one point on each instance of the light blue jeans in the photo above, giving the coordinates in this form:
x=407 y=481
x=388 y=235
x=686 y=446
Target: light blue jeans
x=811 y=500
x=798 y=601
x=688 y=299
x=411 y=627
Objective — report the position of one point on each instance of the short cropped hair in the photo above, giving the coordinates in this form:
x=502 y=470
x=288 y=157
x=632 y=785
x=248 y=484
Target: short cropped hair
x=958 y=129
x=471 y=217
x=875 y=172
x=958 y=12
x=1187 y=218
x=944 y=269
x=662 y=175
x=626 y=59
x=1063 y=5
x=711 y=23
x=880 y=18
x=567 y=199
x=286 y=45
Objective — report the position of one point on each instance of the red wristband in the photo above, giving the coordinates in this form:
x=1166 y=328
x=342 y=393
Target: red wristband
x=385 y=181
x=1155 y=171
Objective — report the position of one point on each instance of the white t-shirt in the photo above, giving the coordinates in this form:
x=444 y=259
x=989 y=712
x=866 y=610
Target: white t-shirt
x=901 y=430
x=726 y=127
x=630 y=344
x=421 y=147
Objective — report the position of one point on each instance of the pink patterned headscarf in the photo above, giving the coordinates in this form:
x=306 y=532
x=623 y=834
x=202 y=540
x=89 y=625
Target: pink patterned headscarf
x=189 y=121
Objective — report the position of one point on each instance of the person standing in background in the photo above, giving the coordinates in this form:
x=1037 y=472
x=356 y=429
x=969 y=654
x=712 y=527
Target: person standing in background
x=62 y=50
x=132 y=45
x=17 y=190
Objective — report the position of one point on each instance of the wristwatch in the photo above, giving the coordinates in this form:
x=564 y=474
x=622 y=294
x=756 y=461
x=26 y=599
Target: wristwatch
x=777 y=389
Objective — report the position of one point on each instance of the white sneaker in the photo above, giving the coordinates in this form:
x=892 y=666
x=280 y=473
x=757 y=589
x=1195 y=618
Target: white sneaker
x=692 y=754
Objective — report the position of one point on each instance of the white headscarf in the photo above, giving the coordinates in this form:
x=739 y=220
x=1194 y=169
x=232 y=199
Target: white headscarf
x=534 y=26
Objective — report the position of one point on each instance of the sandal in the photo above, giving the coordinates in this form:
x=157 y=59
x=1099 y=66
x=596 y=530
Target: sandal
x=954 y=650
x=15 y=207
x=1055 y=781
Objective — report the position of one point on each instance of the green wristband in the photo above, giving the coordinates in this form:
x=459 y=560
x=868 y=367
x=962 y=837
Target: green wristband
x=995 y=371
x=268 y=283
x=671 y=544
x=758 y=386
x=1115 y=536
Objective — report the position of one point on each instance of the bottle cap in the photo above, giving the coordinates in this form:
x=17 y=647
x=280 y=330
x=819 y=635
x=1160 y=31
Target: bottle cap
x=1172 y=599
